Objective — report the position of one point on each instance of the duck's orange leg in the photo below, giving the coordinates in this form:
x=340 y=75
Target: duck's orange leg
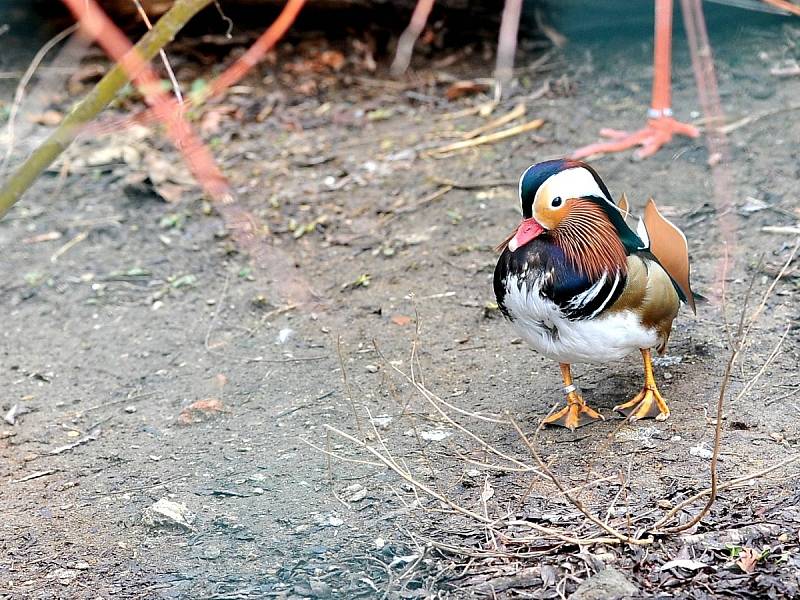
x=660 y=124
x=649 y=403
x=575 y=413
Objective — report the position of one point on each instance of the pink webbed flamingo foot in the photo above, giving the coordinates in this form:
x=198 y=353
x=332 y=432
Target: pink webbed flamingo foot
x=658 y=132
x=661 y=127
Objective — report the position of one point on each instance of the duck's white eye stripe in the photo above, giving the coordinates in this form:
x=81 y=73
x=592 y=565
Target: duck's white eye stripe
x=571 y=183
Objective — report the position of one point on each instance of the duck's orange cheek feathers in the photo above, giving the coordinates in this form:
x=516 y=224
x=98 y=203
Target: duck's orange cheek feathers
x=527 y=230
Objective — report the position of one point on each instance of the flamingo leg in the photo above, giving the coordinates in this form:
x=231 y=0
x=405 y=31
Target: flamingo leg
x=661 y=126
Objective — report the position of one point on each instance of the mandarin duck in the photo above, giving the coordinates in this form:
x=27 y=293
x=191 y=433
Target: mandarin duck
x=579 y=285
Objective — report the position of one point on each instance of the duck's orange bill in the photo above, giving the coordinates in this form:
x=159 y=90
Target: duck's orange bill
x=527 y=230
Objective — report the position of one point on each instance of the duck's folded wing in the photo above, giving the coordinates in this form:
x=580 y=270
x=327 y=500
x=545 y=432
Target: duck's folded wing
x=668 y=244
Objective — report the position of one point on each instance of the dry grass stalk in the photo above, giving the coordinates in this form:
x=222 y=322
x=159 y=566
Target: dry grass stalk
x=743 y=331
x=489 y=138
x=19 y=93
x=176 y=88
x=348 y=389
x=576 y=502
x=514 y=113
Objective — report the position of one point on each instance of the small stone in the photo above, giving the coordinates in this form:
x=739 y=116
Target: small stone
x=371 y=368
x=168 y=514
x=130 y=409
x=211 y=553
x=356 y=493
x=608 y=584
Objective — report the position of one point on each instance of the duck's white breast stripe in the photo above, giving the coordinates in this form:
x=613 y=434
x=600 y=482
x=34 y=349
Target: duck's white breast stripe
x=587 y=296
x=608 y=298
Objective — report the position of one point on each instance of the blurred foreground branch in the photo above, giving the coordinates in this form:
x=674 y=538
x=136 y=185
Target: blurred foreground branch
x=162 y=33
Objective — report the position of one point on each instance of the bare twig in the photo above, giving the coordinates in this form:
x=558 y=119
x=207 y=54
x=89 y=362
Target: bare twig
x=490 y=138
x=407 y=476
x=576 y=502
x=170 y=73
x=722 y=487
x=98 y=98
x=339 y=456
x=348 y=390
x=741 y=334
x=35 y=475
x=514 y=113
x=19 y=94
x=726 y=129
x=434 y=400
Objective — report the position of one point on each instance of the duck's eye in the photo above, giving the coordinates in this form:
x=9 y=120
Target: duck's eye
x=556 y=202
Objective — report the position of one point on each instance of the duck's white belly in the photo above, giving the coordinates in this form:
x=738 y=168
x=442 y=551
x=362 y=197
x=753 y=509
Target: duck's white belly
x=605 y=338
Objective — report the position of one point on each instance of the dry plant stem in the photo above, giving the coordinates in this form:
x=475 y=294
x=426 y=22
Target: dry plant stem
x=507 y=43
x=405 y=45
x=772 y=356
x=574 y=501
x=170 y=73
x=348 y=390
x=432 y=400
x=232 y=74
x=775 y=281
x=726 y=377
x=489 y=138
x=726 y=129
x=741 y=333
x=258 y=50
x=19 y=94
x=418 y=484
x=722 y=487
x=162 y=33
x=330 y=454
x=514 y=113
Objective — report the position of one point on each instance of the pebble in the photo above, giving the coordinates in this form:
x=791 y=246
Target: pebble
x=608 y=584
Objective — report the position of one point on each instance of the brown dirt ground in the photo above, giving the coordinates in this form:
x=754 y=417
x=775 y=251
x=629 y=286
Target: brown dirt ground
x=110 y=340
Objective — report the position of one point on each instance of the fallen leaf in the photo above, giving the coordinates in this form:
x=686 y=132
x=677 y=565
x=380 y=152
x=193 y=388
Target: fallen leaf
x=459 y=89
x=170 y=192
x=332 y=59
x=748 y=559
x=200 y=411
x=683 y=563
